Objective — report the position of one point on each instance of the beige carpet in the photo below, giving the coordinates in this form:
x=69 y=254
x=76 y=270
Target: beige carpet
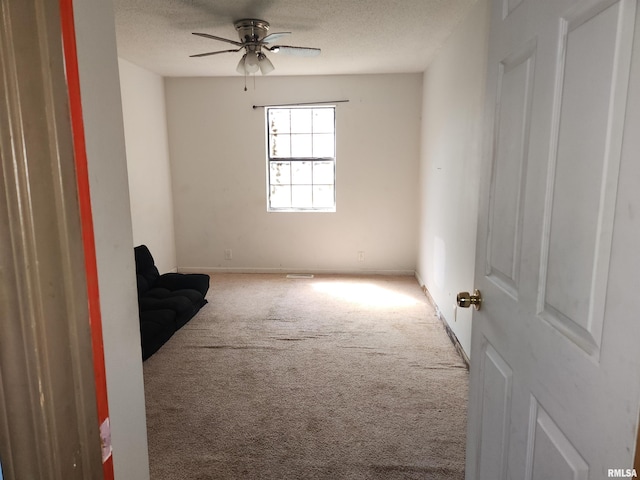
x=333 y=377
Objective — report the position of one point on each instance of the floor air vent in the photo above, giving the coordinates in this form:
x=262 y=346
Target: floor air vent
x=300 y=275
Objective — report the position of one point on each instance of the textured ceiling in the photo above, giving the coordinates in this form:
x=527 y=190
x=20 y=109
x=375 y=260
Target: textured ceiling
x=356 y=36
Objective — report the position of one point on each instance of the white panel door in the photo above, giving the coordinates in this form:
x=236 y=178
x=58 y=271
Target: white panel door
x=555 y=362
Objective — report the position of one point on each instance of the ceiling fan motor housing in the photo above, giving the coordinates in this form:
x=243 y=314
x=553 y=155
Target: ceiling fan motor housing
x=251 y=30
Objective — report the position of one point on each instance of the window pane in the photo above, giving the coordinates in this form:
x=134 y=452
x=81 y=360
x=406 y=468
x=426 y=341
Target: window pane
x=324 y=145
x=301 y=196
x=301 y=158
x=323 y=120
x=323 y=196
x=280 y=173
x=301 y=145
x=280 y=146
x=280 y=196
x=301 y=173
x=323 y=172
x=279 y=120
x=301 y=120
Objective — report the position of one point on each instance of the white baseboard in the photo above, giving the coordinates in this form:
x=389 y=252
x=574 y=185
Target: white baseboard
x=450 y=332
x=317 y=271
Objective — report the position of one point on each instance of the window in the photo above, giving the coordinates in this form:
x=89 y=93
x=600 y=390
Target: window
x=301 y=163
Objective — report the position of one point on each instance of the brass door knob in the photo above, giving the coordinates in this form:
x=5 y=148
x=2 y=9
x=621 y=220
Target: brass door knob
x=465 y=299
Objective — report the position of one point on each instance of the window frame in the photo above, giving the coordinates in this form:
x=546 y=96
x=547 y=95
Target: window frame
x=292 y=159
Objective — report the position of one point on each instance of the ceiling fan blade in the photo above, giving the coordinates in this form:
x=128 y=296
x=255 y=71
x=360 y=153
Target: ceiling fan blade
x=274 y=36
x=300 y=51
x=213 y=37
x=215 y=53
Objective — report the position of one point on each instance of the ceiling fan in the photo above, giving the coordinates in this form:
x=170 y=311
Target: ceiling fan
x=254 y=40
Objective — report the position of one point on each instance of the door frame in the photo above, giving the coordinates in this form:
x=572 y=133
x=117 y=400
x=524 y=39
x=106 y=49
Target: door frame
x=48 y=370
x=88 y=238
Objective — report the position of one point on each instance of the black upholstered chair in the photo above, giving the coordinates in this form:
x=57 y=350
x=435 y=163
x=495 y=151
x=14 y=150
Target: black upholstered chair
x=166 y=302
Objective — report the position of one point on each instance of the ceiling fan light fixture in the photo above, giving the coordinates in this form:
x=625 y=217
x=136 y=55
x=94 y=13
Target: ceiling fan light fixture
x=240 y=68
x=251 y=62
x=265 y=64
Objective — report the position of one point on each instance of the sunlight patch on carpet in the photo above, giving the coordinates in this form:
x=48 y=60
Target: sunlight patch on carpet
x=365 y=294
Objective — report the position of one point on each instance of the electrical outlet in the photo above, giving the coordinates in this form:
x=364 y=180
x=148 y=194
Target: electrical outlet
x=228 y=254
x=361 y=256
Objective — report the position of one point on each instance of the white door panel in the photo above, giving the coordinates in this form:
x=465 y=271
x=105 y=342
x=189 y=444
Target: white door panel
x=555 y=373
x=593 y=71
x=496 y=405
x=550 y=455
x=513 y=116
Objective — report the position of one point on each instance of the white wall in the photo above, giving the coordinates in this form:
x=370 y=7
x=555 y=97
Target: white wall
x=217 y=148
x=145 y=132
x=453 y=101
x=102 y=113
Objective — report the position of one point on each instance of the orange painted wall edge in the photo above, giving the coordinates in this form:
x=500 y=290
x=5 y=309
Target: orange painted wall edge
x=84 y=198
